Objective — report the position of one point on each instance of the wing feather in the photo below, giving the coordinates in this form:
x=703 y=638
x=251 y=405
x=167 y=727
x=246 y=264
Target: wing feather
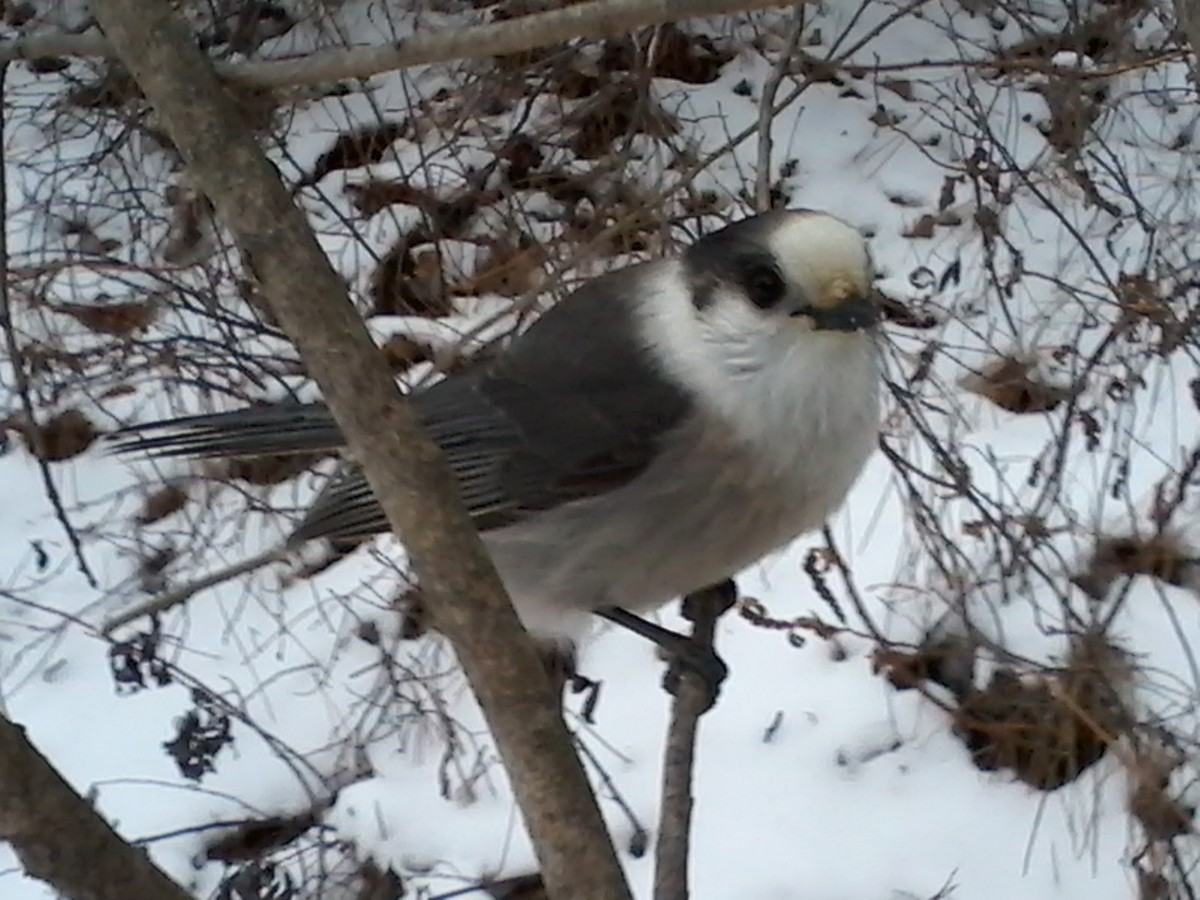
x=572 y=408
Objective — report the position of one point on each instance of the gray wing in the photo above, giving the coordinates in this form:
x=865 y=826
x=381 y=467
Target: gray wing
x=572 y=408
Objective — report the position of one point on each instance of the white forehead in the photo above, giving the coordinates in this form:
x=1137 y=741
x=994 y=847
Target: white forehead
x=816 y=250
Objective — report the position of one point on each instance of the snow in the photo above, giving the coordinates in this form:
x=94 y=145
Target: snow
x=815 y=777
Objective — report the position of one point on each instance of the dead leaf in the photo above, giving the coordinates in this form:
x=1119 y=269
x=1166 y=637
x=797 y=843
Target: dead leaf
x=117 y=319
x=402 y=352
x=902 y=88
x=922 y=228
x=255 y=838
x=374 y=195
x=63 y=437
x=510 y=268
x=884 y=118
x=677 y=54
x=271 y=468
x=162 y=503
x=407 y=283
x=1011 y=385
x=1160 y=556
x=356 y=148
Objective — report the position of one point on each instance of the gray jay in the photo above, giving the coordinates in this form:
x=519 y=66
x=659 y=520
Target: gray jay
x=663 y=427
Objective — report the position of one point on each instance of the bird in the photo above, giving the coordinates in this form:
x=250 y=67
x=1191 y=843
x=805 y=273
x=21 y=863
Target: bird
x=662 y=428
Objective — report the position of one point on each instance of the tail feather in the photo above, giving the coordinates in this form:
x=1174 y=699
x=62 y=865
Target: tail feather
x=256 y=431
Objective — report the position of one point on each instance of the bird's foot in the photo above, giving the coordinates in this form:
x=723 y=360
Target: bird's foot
x=560 y=664
x=703 y=662
x=685 y=654
x=581 y=684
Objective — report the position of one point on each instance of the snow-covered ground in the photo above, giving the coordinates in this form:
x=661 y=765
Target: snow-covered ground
x=816 y=777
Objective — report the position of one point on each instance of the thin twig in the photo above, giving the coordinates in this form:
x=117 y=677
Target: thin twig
x=640 y=838
x=856 y=599
x=766 y=113
x=18 y=363
x=692 y=700
x=163 y=602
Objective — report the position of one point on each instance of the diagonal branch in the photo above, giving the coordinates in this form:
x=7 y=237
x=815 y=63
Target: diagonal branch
x=60 y=839
x=595 y=19
x=405 y=469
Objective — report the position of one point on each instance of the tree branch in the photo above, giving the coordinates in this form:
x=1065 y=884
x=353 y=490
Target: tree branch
x=404 y=467
x=60 y=839
x=596 y=19
x=692 y=700
x=1187 y=17
x=54 y=43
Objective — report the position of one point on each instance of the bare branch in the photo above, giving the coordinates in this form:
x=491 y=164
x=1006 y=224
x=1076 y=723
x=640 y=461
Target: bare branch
x=60 y=839
x=766 y=112
x=54 y=43
x=405 y=469
x=598 y=19
x=692 y=700
x=1187 y=16
x=160 y=603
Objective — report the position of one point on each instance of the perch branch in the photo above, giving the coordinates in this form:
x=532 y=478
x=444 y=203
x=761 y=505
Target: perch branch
x=692 y=700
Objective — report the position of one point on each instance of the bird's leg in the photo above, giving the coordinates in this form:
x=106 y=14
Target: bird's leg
x=559 y=663
x=694 y=653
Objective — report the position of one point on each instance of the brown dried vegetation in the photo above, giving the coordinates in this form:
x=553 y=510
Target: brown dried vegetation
x=510 y=268
x=1162 y=816
x=117 y=319
x=164 y=502
x=402 y=352
x=256 y=838
x=271 y=468
x=694 y=59
x=409 y=283
x=1052 y=728
x=620 y=110
x=1161 y=556
x=356 y=148
x=1012 y=385
x=62 y=437
x=375 y=194
x=948 y=661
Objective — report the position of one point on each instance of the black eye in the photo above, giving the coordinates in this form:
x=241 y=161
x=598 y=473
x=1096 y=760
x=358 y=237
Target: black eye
x=764 y=286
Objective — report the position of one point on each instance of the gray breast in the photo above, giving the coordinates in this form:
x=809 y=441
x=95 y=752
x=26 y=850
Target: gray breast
x=709 y=507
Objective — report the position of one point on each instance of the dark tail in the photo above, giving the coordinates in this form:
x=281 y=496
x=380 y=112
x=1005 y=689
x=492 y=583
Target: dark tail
x=256 y=431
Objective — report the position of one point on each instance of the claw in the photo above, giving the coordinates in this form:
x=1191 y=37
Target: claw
x=687 y=654
x=704 y=663
x=559 y=663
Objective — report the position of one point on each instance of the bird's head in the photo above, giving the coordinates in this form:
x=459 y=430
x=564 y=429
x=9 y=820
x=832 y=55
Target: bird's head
x=784 y=271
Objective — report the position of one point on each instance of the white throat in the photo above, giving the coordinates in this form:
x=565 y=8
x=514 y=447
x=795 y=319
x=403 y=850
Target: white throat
x=771 y=386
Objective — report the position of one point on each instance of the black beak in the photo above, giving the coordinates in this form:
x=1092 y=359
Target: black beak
x=852 y=314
